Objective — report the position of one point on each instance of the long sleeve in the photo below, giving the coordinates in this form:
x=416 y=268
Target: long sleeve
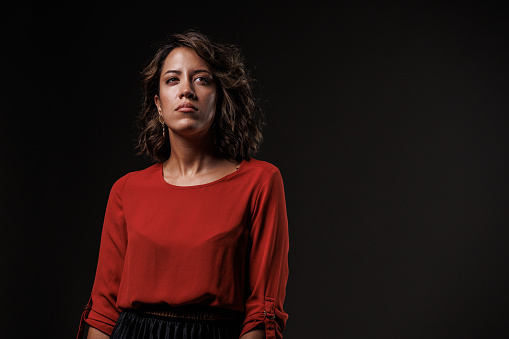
x=268 y=259
x=104 y=311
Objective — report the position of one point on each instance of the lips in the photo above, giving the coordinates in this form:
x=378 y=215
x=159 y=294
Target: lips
x=186 y=107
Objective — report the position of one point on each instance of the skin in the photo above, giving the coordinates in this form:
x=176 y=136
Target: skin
x=186 y=78
x=94 y=333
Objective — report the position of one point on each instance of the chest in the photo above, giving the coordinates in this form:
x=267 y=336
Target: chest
x=188 y=218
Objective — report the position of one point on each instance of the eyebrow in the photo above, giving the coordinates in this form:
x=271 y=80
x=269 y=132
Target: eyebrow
x=194 y=72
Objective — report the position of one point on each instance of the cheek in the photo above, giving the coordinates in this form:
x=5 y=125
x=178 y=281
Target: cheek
x=214 y=99
x=166 y=96
x=212 y=103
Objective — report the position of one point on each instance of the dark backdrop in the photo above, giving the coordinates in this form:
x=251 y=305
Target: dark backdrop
x=388 y=122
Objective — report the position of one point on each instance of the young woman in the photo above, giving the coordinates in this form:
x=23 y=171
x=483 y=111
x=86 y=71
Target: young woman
x=196 y=245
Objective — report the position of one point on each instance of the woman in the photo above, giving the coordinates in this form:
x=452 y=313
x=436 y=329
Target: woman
x=195 y=246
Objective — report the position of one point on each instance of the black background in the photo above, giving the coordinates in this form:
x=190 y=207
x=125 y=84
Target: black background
x=388 y=122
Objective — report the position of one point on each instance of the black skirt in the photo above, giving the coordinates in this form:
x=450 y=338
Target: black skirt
x=133 y=324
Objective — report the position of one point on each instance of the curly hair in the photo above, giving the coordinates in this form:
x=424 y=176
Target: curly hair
x=237 y=122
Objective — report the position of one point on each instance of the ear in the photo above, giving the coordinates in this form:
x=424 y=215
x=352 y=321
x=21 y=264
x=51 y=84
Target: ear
x=158 y=103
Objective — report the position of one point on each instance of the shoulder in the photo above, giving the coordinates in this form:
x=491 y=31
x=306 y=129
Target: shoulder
x=261 y=171
x=146 y=172
x=136 y=177
x=261 y=166
x=267 y=183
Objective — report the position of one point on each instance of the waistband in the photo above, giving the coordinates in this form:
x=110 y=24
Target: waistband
x=195 y=312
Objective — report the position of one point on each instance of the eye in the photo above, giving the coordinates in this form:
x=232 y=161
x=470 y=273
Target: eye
x=171 y=80
x=203 y=80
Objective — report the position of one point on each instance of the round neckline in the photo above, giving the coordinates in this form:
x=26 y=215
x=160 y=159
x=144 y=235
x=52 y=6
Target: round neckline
x=161 y=177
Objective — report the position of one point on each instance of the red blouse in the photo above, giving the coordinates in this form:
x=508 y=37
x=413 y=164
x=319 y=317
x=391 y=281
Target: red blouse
x=223 y=244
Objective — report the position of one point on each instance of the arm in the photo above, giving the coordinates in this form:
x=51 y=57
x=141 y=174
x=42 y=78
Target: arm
x=103 y=307
x=94 y=333
x=268 y=261
x=256 y=334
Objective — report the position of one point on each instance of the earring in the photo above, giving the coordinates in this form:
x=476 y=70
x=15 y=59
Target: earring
x=162 y=125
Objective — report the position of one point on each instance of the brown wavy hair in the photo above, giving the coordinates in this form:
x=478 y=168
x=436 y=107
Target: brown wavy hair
x=237 y=122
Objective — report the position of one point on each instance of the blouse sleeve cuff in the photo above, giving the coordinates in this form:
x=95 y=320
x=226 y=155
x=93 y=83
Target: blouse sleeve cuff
x=100 y=322
x=269 y=318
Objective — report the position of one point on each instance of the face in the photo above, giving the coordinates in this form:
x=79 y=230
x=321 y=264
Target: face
x=187 y=93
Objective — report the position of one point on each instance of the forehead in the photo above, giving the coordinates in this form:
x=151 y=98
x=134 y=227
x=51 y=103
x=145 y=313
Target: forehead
x=184 y=58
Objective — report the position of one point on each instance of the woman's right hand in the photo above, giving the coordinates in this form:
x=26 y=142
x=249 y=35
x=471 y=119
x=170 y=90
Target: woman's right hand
x=94 y=333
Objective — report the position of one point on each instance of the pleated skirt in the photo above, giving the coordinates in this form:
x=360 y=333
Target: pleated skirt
x=139 y=325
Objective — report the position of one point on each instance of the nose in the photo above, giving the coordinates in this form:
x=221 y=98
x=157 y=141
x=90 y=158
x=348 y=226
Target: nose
x=187 y=91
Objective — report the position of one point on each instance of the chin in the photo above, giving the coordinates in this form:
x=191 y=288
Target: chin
x=190 y=130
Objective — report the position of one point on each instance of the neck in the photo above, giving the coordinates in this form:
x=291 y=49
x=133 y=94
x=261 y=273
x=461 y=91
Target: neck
x=190 y=156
